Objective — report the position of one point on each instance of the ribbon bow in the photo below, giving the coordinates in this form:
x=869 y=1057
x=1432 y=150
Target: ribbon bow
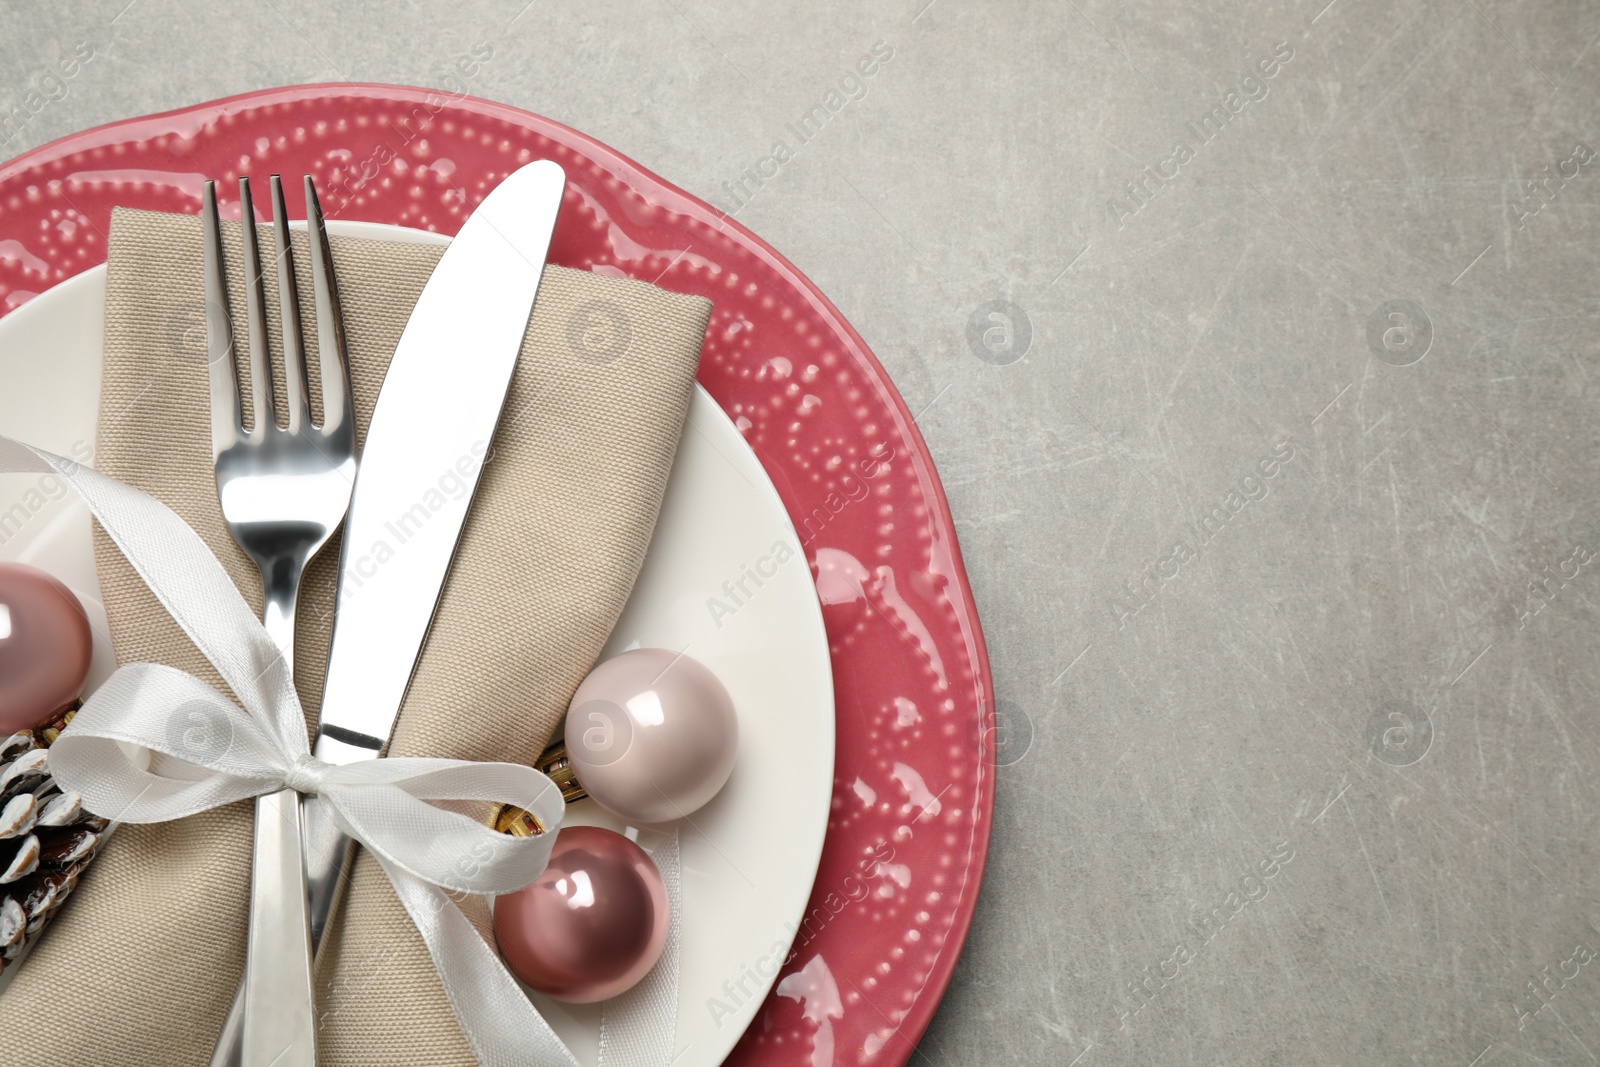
x=154 y=743
x=134 y=749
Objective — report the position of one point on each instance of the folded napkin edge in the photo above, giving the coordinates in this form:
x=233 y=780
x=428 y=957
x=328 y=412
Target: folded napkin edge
x=619 y=282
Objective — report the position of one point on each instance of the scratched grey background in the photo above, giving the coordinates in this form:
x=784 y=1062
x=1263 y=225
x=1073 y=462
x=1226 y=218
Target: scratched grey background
x=1311 y=782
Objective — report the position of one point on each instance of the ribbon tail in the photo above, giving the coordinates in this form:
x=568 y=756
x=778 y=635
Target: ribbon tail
x=639 y=1028
x=496 y=1017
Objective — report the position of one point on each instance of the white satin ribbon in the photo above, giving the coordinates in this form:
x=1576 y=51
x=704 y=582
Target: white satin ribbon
x=639 y=1028
x=133 y=754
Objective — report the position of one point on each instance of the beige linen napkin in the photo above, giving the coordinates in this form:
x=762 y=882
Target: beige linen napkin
x=140 y=966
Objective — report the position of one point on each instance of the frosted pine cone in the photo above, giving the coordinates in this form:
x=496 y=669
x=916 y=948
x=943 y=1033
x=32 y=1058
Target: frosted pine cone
x=46 y=838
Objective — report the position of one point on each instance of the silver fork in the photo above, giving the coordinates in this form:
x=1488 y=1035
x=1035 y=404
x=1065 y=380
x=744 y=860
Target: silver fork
x=284 y=490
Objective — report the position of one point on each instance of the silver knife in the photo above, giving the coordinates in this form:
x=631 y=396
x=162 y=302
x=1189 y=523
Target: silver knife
x=436 y=413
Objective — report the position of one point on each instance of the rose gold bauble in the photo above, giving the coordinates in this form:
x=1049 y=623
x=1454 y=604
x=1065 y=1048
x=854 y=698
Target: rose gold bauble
x=652 y=735
x=594 y=922
x=44 y=647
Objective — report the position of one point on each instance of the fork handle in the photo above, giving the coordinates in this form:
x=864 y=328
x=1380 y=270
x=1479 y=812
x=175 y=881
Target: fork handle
x=327 y=853
x=327 y=866
x=279 y=1009
x=279 y=1027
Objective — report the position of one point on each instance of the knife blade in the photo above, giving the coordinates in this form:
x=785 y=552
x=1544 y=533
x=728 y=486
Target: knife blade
x=436 y=412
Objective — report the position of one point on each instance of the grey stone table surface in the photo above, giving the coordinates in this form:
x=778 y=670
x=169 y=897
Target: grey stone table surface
x=1256 y=345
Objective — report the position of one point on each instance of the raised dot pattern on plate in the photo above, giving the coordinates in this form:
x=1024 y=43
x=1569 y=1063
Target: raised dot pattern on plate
x=913 y=780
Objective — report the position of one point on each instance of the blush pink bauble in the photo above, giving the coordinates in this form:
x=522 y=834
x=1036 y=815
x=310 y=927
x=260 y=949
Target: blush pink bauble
x=45 y=646
x=594 y=922
x=652 y=735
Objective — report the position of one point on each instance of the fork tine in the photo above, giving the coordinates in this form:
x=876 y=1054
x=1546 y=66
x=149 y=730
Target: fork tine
x=337 y=408
x=225 y=426
x=294 y=349
x=256 y=315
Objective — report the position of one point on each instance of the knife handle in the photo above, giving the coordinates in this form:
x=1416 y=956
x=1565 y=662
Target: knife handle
x=328 y=856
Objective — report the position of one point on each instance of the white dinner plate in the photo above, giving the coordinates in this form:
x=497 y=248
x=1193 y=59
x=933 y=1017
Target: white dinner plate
x=749 y=857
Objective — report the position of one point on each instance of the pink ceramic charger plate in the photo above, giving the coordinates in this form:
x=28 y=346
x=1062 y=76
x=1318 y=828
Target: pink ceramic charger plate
x=913 y=777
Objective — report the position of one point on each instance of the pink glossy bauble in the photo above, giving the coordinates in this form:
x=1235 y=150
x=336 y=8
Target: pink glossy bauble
x=594 y=922
x=652 y=735
x=44 y=647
